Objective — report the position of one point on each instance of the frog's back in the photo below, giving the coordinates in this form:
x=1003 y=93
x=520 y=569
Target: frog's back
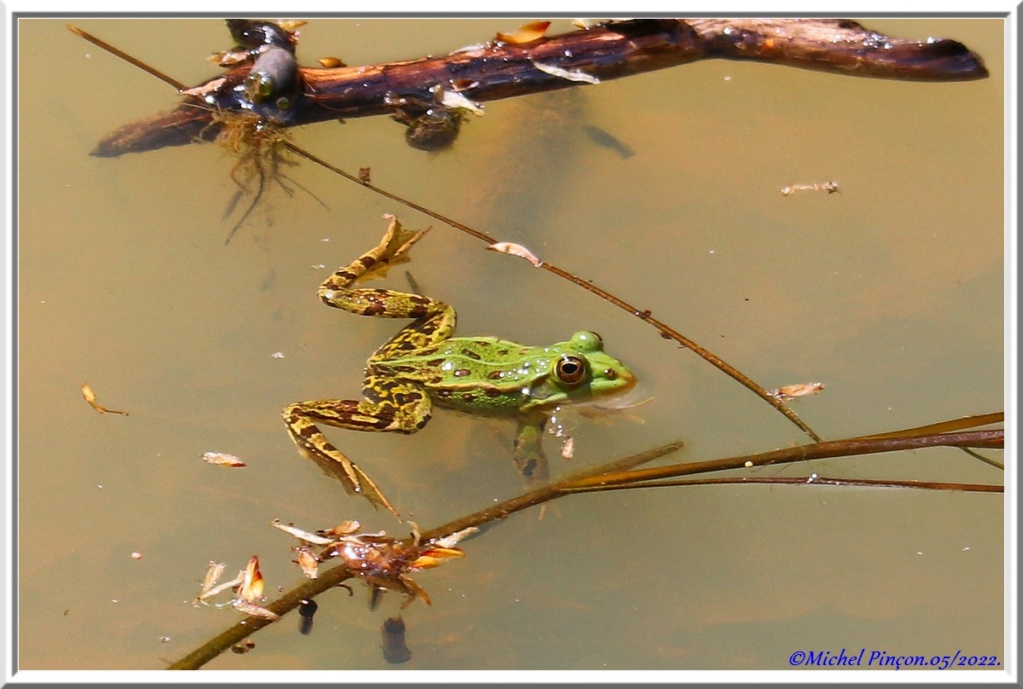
x=478 y=375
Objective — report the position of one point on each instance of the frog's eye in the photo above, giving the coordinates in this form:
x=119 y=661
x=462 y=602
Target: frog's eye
x=570 y=370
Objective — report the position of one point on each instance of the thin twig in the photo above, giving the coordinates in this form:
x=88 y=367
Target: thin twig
x=797 y=481
x=960 y=424
x=178 y=86
x=987 y=460
x=823 y=450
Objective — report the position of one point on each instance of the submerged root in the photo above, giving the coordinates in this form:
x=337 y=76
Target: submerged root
x=259 y=147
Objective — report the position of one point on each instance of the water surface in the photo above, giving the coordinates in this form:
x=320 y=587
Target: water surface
x=889 y=292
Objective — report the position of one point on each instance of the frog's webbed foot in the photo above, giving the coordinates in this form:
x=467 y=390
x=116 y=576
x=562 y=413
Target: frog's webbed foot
x=392 y=250
x=528 y=454
x=394 y=247
x=313 y=444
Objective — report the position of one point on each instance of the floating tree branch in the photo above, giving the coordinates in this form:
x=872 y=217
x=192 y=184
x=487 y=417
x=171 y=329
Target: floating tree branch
x=620 y=475
x=501 y=69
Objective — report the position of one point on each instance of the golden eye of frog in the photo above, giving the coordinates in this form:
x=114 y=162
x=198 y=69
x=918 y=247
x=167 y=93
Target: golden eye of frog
x=423 y=365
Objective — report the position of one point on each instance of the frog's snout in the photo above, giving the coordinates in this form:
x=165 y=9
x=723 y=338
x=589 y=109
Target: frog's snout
x=624 y=379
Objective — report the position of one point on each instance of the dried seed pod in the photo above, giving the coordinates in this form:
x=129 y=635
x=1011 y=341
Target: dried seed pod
x=254 y=610
x=830 y=187
x=451 y=540
x=570 y=74
x=252 y=586
x=788 y=392
x=307 y=561
x=209 y=584
x=301 y=534
x=516 y=250
x=224 y=459
x=349 y=526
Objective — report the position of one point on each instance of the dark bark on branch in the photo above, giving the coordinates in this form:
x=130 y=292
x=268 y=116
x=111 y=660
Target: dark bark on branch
x=496 y=70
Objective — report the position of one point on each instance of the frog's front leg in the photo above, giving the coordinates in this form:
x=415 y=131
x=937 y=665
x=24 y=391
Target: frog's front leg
x=528 y=454
x=397 y=407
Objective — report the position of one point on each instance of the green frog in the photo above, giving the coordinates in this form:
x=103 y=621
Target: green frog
x=423 y=366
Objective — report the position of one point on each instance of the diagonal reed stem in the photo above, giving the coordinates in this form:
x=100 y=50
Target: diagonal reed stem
x=835 y=448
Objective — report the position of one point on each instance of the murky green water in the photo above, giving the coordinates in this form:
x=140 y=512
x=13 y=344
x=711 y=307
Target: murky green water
x=890 y=293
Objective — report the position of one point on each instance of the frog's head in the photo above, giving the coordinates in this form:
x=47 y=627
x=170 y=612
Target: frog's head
x=578 y=372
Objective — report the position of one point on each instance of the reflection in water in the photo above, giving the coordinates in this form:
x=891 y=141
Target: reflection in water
x=608 y=140
x=306 y=612
x=393 y=633
x=531 y=149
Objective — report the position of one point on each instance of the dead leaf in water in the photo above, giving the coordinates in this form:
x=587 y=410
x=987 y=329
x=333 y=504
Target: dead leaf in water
x=570 y=74
x=516 y=250
x=252 y=585
x=223 y=459
x=90 y=397
x=788 y=392
x=527 y=33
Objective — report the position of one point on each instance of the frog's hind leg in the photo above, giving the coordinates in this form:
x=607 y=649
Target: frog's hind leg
x=402 y=409
x=393 y=249
x=339 y=290
x=435 y=320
